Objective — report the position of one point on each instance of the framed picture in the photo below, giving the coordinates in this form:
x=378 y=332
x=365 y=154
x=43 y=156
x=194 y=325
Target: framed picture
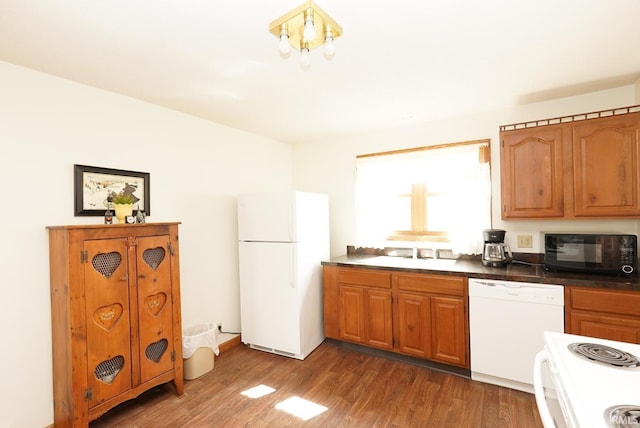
x=94 y=184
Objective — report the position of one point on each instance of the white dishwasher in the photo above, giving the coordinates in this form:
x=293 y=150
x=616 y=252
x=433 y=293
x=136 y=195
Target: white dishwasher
x=506 y=324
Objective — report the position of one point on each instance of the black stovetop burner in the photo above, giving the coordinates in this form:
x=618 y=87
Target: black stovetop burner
x=605 y=355
x=623 y=416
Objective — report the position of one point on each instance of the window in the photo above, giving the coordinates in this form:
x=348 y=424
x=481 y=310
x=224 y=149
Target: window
x=437 y=195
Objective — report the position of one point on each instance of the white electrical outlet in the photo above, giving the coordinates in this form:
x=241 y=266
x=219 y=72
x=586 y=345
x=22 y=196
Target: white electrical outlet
x=525 y=241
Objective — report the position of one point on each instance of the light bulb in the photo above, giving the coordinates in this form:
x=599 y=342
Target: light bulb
x=305 y=60
x=329 y=47
x=309 y=32
x=284 y=45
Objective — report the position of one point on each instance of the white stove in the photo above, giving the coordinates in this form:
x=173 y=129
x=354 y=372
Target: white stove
x=595 y=382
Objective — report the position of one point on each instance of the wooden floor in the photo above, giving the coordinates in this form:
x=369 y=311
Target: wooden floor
x=357 y=389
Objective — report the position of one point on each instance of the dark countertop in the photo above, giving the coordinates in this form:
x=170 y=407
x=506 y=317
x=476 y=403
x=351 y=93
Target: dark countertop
x=474 y=268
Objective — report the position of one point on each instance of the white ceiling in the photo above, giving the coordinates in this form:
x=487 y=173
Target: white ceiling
x=397 y=63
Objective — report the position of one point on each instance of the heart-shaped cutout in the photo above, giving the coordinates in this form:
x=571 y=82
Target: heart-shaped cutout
x=107 y=370
x=153 y=257
x=107 y=316
x=106 y=263
x=154 y=303
x=155 y=351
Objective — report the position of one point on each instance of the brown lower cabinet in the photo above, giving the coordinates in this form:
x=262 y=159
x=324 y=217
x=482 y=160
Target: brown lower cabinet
x=365 y=316
x=364 y=308
x=604 y=313
x=419 y=315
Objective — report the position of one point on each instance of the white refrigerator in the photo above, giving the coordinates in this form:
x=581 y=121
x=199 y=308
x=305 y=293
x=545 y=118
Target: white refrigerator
x=283 y=238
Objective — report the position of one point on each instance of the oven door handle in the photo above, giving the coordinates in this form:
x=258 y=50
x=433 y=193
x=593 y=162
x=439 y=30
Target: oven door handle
x=538 y=389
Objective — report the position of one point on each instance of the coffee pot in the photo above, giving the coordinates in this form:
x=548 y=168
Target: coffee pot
x=495 y=253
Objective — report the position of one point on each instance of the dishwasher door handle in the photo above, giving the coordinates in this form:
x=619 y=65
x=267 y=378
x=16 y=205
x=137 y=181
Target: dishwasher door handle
x=508 y=285
x=498 y=284
x=511 y=285
x=483 y=283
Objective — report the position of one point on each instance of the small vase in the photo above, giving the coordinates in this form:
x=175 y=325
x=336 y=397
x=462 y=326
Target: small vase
x=122 y=211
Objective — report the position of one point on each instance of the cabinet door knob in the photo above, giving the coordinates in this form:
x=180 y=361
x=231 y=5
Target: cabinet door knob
x=124 y=278
x=142 y=275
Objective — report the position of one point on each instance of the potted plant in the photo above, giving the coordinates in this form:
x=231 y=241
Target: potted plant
x=123 y=205
x=122 y=198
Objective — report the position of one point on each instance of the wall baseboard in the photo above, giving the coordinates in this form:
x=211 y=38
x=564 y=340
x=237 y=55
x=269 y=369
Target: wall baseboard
x=234 y=341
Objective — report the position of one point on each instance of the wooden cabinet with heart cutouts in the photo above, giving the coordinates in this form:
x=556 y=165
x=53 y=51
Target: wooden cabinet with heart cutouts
x=115 y=309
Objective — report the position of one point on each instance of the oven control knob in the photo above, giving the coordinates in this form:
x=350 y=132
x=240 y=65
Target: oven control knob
x=627 y=268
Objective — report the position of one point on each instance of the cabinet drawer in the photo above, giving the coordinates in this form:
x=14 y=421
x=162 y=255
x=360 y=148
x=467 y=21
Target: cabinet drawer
x=605 y=326
x=614 y=302
x=367 y=278
x=441 y=284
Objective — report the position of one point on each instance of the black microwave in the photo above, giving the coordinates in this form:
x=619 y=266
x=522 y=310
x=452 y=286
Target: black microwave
x=591 y=253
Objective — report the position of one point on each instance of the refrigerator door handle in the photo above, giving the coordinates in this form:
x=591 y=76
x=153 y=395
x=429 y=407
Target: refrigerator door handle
x=291 y=225
x=292 y=272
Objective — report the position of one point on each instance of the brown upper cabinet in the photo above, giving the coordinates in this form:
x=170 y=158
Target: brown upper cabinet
x=579 y=169
x=531 y=167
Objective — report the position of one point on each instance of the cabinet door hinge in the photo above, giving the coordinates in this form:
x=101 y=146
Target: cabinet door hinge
x=84 y=256
x=173 y=356
x=170 y=247
x=88 y=394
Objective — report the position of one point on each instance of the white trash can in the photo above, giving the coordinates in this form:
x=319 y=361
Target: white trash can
x=199 y=345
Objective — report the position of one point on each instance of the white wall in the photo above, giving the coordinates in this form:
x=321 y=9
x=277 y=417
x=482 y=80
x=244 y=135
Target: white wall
x=197 y=168
x=329 y=166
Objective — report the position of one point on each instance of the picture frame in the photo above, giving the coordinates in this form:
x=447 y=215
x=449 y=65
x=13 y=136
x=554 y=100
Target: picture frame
x=93 y=184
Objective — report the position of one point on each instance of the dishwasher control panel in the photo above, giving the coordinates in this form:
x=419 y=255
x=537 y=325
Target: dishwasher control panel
x=550 y=294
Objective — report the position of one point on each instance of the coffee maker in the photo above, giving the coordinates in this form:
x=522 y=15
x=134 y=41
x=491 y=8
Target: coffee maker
x=495 y=253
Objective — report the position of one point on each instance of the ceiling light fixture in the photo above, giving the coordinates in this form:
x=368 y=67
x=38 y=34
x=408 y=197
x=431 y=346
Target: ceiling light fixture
x=329 y=47
x=305 y=28
x=305 y=61
x=284 y=45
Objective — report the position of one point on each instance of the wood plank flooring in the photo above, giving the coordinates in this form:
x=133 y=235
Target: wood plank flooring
x=358 y=390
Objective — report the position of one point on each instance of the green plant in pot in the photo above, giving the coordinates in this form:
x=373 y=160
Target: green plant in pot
x=123 y=205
